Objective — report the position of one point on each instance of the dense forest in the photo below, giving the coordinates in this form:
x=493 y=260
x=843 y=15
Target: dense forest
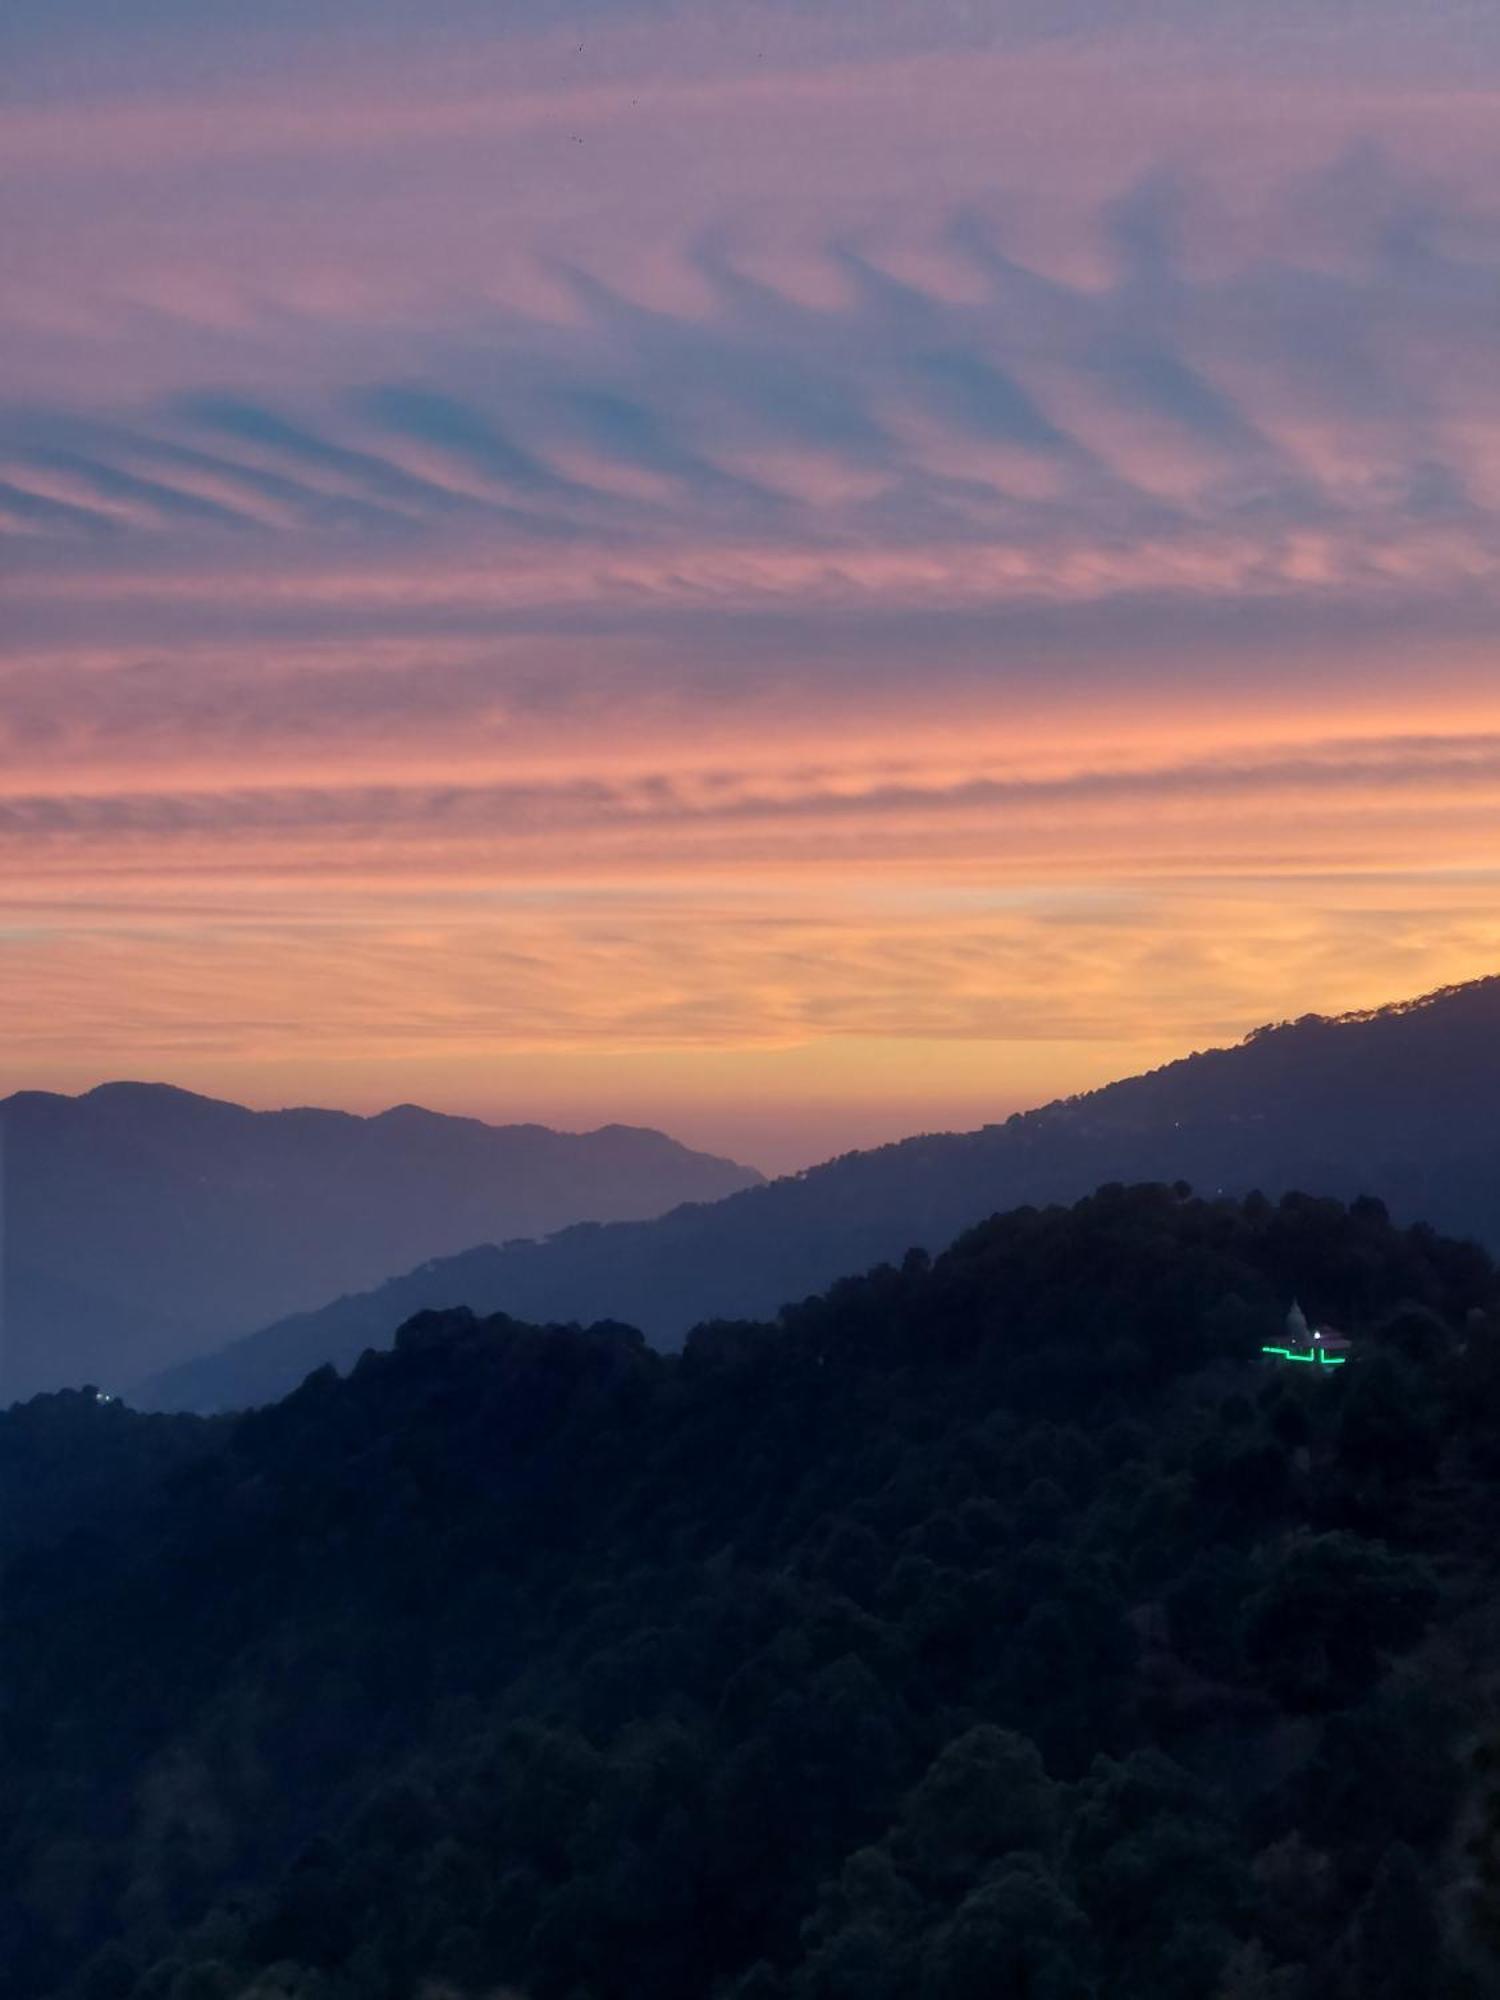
x=1402 y=1103
x=1004 y=1625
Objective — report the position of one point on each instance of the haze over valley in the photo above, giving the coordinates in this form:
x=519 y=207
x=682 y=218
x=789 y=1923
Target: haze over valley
x=151 y=1228
x=143 y=1223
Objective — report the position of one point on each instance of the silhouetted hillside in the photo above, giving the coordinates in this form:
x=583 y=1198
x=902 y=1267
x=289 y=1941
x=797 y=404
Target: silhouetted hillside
x=1404 y=1104
x=142 y=1223
x=1003 y=1626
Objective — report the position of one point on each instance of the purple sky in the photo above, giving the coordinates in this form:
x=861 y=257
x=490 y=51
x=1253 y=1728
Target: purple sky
x=788 y=572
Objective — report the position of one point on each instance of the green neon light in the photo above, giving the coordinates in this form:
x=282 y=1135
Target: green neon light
x=1313 y=1354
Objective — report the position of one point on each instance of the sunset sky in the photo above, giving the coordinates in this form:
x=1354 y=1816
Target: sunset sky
x=790 y=572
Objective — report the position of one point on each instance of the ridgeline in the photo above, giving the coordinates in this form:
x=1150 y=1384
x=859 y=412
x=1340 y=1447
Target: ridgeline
x=1402 y=1103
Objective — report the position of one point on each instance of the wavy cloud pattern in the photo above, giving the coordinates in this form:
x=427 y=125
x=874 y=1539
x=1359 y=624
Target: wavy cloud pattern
x=965 y=549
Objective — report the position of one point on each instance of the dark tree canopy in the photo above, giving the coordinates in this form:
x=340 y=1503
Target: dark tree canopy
x=1004 y=1623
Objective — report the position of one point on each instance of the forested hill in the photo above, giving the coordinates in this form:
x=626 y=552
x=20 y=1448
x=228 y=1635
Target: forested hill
x=144 y=1224
x=1403 y=1104
x=1005 y=1625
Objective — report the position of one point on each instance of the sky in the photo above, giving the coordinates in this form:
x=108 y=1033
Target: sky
x=793 y=573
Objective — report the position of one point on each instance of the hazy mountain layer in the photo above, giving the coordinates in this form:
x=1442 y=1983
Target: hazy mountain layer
x=142 y=1224
x=1403 y=1103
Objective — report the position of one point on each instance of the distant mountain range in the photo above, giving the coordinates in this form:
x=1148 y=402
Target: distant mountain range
x=143 y=1224
x=1402 y=1103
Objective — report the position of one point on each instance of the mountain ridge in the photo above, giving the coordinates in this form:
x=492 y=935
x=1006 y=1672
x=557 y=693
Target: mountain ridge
x=146 y=1222
x=1402 y=1102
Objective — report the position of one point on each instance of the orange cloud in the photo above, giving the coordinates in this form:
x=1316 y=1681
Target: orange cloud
x=919 y=569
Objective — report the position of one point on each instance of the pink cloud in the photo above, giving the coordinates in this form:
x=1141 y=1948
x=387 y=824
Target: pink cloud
x=764 y=537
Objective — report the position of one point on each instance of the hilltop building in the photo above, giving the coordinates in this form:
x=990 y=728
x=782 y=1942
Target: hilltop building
x=1320 y=1346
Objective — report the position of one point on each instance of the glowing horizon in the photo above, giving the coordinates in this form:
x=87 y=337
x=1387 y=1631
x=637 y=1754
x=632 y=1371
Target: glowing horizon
x=789 y=580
